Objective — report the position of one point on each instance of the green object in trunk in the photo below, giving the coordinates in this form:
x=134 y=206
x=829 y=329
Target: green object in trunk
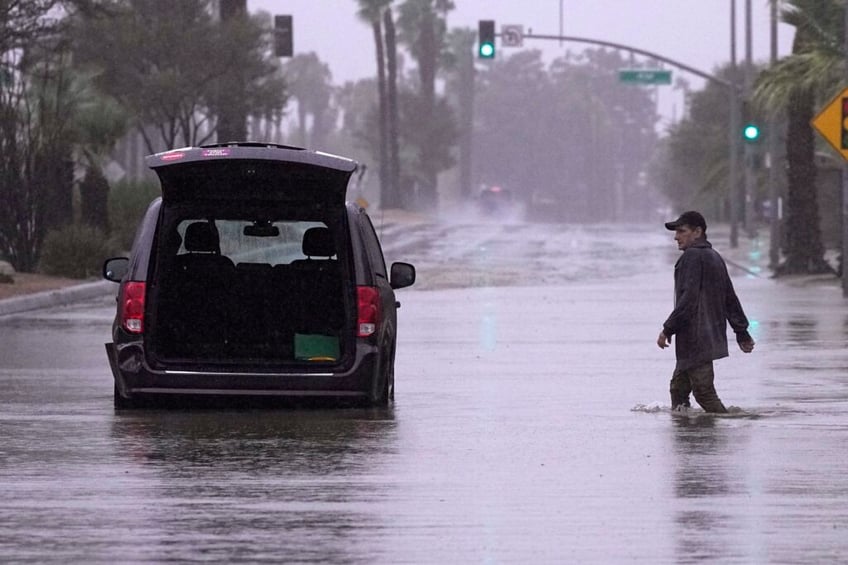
x=316 y=347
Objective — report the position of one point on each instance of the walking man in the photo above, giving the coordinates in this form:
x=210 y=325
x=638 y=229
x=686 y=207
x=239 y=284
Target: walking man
x=704 y=302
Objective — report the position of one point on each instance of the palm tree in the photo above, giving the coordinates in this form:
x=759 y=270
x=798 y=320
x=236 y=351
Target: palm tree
x=371 y=11
x=423 y=29
x=391 y=197
x=309 y=83
x=99 y=122
x=812 y=71
x=461 y=84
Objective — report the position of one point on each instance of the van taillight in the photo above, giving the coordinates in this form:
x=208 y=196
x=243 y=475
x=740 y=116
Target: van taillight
x=368 y=310
x=132 y=307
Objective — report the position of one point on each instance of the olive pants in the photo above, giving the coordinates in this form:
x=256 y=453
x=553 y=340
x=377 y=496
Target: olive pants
x=698 y=381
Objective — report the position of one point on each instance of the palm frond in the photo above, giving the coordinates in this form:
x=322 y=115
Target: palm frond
x=814 y=70
x=818 y=22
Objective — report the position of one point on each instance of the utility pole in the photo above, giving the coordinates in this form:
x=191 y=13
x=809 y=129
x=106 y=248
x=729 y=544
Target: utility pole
x=734 y=133
x=749 y=195
x=771 y=134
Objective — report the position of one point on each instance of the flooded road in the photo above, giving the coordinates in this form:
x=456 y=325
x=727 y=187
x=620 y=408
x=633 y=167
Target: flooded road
x=531 y=425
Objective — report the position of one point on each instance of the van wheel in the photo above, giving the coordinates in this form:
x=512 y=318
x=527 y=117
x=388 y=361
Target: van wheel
x=382 y=398
x=383 y=390
x=122 y=403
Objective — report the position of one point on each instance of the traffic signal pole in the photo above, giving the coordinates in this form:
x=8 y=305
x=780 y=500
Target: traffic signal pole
x=774 y=194
x=637 y=50
x=748 y=198
x=733 y=178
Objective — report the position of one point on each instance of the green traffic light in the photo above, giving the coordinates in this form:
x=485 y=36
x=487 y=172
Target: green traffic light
x=487 y=50
x=751 y=132
x=486 y=39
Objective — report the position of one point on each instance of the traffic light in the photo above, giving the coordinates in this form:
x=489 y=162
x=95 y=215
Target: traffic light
x=844 y=124
x=283 y=36
x=751 y=132
x=486 y=39
x=750 y=127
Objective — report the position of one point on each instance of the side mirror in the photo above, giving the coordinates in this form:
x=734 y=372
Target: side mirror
x=402 y=275
x=115 y=269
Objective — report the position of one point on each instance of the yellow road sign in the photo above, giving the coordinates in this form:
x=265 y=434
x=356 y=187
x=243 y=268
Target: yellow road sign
x=832 y=123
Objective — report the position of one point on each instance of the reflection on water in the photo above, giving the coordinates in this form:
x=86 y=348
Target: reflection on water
x=706 y=469
x=698 y=450
x=281 y=480
x=212 y=485
x=327 y=441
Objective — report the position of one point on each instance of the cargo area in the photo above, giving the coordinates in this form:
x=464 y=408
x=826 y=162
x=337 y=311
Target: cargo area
x=256 y=292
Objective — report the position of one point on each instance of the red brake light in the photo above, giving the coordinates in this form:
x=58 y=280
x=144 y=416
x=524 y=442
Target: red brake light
x=368 y=310
x=132 y=307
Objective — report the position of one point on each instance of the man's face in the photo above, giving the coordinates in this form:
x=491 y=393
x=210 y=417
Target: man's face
x=685 y=236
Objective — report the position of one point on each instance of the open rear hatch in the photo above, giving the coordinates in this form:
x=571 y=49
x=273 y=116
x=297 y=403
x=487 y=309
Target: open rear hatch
x=252 y=172
x=253 y=259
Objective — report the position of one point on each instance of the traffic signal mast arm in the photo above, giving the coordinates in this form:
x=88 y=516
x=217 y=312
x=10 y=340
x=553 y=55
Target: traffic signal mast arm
x=727 y=84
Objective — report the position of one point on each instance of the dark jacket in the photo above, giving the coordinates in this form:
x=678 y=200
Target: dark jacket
x=704 y=302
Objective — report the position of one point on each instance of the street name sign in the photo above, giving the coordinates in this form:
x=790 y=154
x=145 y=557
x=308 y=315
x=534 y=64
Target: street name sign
x=644 y=76
x=832 y=123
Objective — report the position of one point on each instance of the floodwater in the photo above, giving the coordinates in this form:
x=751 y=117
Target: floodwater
x=531 y=425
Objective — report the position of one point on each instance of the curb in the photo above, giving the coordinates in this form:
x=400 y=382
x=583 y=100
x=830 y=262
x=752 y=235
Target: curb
x=52 y=298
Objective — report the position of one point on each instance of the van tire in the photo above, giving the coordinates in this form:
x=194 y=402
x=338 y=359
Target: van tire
x=381 y=392
x=122 y=403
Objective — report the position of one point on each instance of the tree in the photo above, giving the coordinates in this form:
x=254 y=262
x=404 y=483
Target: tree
x=813 y=70
x=460 y=83
x=173 y=68
x=359 y=117
x=36 y=109
x=581 y=152
x=371 y=12
x=98 y=123
x=423 y=30
x=309 y=83
x=392 y=196
x=230 y=104
x=692 y=167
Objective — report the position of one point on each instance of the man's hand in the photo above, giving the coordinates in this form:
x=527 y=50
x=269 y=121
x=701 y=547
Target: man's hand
x=747 y=346
x=664 y=341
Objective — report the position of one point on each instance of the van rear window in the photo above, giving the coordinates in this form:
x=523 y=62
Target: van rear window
x=242 y=241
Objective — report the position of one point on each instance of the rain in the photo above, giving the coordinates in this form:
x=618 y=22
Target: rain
x=531 y=419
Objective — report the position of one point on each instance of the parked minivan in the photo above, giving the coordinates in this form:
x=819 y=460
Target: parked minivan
x=251 y=276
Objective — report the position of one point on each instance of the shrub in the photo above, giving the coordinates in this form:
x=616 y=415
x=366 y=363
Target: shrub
x=128 y=200
x=75 y=251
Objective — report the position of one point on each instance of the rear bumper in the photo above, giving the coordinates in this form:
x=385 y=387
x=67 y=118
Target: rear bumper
x=134 y=377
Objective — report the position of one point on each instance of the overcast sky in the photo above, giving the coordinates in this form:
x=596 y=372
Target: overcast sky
x=694 y=32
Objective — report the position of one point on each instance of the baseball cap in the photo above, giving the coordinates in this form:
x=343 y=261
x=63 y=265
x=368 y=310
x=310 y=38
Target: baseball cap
x=691 y=218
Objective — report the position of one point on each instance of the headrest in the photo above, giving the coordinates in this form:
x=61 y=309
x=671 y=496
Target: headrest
x=202 y=237
x=318 y=242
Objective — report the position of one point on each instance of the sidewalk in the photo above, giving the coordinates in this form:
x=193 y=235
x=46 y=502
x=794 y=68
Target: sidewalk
x=56 y=297
x=752 y=257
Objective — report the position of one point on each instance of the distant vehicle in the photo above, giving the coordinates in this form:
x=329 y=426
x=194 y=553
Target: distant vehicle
x=251 y=276
x=496 y=201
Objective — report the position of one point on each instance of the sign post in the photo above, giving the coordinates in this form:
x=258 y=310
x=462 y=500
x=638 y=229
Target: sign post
x=832 y=124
